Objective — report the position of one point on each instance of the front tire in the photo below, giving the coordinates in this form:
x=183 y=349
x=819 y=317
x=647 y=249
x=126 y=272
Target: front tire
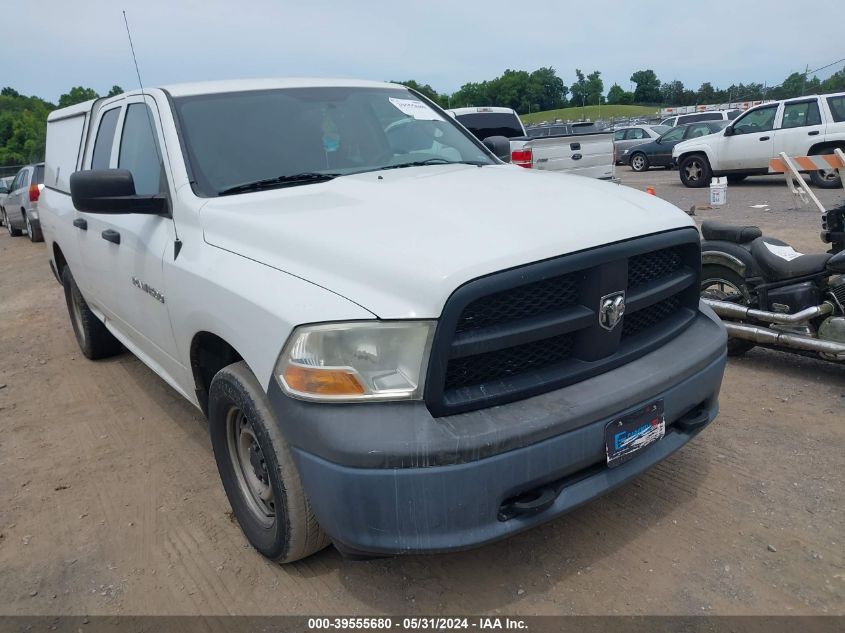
x=695 y=171
x=639 y=162
x=12 y=230
x=93 y=337
x=825 y=179
x=722 y=283
x=257 y=470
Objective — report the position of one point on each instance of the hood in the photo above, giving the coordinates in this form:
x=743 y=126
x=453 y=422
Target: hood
x=399 y=242
x=696 y=142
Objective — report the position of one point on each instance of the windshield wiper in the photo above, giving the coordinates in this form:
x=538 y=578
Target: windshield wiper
x=279 y=181
x=434 y=161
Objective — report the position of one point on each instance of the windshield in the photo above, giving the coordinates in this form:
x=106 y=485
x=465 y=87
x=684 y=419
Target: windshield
x=246 y=137
x=661 y=129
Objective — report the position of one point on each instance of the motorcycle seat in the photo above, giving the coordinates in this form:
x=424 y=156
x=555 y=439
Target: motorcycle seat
x=712 y=230
x=778 y=261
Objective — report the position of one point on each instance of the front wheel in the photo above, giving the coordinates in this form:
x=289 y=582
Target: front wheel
x=257 y=469
x=695 y=171
x=639 y=162
x=723 y=284
x=12 y=230
x=825 y=178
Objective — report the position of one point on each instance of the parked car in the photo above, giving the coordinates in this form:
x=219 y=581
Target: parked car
x=401 y=343
x=697 y=117
x=5 y=187
x=580 y=153
x=20 y=207
x=803 y=126
x=658 y=153
x=627 y=137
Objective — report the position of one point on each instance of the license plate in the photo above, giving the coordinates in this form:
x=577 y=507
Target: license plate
x=626 y=436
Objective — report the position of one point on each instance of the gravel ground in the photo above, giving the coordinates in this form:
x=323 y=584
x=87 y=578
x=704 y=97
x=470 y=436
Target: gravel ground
x=110 y=502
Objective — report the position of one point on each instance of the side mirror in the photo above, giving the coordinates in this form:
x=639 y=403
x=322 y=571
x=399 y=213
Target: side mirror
x=729 y=131
x=3 y=190
x=500 y=146
x=112 y=191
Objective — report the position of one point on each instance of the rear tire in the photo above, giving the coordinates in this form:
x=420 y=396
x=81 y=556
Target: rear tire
x=34 y=232
x=719 y=281
x=93 y=337
x=825 y=179
x=695 y=171
x=639 y=162
x=257 y=469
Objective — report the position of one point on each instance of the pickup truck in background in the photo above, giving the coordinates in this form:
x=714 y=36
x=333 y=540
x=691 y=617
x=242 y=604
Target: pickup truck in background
x=803 y=126
x=395 y=352
x=583 y=154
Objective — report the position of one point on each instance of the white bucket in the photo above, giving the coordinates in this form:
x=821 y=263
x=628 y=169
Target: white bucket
x=718 y=192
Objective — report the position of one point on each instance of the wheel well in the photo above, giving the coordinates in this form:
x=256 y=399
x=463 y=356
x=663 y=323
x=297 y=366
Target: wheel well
x=827 y=145
x=59 y=258
x=209 y=354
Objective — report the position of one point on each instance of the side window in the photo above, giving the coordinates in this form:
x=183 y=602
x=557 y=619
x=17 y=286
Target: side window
x=801 y=114
x=139 y=150
x=637 y=134
x=619 y=135
x=695 y=131
x=837 y=108
x=676 y=134
x=105 y=138
x=759 y=120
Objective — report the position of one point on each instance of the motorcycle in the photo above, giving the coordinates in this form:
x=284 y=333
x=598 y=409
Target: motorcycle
x=768 y=294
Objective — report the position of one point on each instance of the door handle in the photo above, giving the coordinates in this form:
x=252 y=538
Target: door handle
x=764 y=138
x=110 y=235
x=577 y=157
x=813 y=133
x=81 y=223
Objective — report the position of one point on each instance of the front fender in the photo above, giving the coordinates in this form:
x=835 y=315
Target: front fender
x=685 y=148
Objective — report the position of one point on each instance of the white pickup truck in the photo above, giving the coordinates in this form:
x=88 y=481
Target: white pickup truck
x=800 y=127
x=395 y=353
x=588 y=154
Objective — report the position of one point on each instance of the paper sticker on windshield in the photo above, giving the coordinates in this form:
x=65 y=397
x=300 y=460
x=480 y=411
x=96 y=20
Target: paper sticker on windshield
x=784 y=252
x=416 y=109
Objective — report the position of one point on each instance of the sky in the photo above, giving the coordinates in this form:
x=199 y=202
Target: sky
x=445 y=44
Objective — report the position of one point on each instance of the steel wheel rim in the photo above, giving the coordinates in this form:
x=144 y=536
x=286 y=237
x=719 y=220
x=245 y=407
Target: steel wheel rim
x=250 y=467
x=828 y=175
x=638 y=162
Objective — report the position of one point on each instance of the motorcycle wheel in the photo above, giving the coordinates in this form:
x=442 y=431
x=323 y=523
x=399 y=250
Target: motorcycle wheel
x=722 y=283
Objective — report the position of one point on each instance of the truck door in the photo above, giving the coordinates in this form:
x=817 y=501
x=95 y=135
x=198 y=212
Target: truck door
x=125 y=251
x=800 y=127
x=752 y=144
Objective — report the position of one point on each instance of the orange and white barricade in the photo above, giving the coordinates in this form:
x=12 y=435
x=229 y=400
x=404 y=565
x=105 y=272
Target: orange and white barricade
x=792 y=166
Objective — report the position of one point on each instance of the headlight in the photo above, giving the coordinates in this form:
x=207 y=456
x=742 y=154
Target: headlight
x=352 y=361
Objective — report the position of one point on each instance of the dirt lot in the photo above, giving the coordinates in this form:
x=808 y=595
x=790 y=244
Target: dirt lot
x=110 y=501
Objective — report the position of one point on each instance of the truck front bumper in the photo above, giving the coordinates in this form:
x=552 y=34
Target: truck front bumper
x=387 y=478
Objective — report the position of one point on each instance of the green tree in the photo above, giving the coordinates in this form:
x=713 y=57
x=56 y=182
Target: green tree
x=672 y=92
x=579 y=89
x=648 y=86
x=77 y=94
x=595 y=87
x=115 y=90
x=618 y=96
x=706 y=93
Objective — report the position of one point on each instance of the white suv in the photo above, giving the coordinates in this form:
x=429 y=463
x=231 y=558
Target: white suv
x=800 y=127
x=695 y=117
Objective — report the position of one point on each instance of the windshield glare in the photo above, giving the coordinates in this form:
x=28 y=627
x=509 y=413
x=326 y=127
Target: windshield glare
x=242 y=137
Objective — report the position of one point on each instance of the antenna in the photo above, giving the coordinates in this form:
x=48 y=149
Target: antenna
x=132 y=48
